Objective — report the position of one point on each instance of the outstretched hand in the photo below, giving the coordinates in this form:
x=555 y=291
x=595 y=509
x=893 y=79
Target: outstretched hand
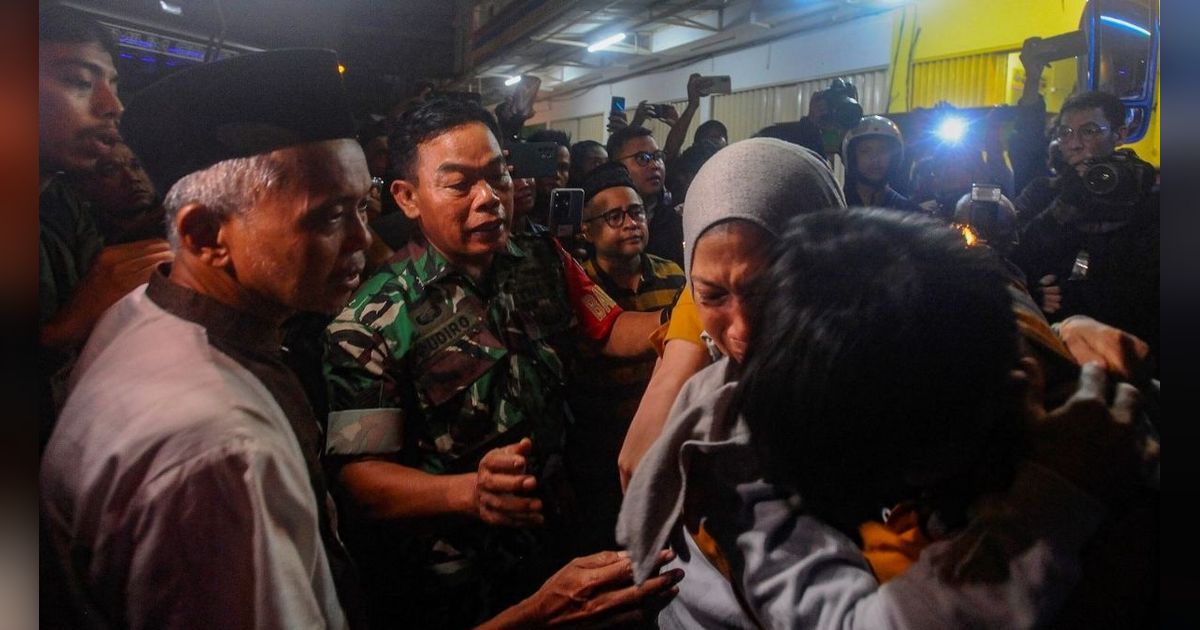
x=598 y=591
x=1094 y=445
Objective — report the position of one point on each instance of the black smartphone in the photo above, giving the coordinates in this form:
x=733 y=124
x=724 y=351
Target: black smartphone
x=533 y=159
x=566 y=213
x=618 y=105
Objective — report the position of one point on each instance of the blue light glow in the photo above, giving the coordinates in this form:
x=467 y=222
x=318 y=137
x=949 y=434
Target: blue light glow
x=1122 y=23
x=139 y=43
x=185 y=52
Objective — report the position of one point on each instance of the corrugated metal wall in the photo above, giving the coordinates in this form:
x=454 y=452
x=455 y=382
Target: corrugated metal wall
x=583 y=128
x=747 y=111
x=968 y=81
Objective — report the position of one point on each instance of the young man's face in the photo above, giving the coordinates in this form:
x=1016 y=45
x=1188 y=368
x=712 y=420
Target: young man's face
x=119 y=185
x=625 y=240
x=1092 y=135
x=648 y=174
x=302 y=246
x=78 y=107
x=873 y=159
x=562 y=172
x=462 y=194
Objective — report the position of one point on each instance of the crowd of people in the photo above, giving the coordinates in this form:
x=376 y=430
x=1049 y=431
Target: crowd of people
x=300 y=370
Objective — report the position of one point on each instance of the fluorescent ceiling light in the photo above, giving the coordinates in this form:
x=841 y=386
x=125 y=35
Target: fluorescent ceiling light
x=606 y=42
x=1122 y=23
x=512 y=80
x=173 y=9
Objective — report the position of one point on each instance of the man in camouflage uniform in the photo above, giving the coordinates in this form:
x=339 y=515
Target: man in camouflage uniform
x=447 y=374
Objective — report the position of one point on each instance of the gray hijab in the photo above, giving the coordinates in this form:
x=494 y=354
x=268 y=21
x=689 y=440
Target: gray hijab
x=762 y=180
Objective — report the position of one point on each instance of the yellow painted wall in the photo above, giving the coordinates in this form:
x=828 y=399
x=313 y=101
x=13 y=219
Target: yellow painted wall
x=954 y=28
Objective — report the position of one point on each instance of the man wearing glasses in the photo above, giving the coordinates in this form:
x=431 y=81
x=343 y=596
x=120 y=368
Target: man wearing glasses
x=636 y=149
x=608 y=390
x=1091 y=251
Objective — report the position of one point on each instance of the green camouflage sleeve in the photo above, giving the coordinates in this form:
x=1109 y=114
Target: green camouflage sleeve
x=365 y=346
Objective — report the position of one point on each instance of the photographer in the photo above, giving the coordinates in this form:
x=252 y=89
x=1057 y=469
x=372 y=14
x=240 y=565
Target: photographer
x=831 y=113
x=1094 y=250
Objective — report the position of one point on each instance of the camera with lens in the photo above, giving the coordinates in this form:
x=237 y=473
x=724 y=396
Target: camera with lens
x=842 y=98
x=1120 y=179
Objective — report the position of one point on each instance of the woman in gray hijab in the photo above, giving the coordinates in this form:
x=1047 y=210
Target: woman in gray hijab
x=737 y=207
x=700 y=489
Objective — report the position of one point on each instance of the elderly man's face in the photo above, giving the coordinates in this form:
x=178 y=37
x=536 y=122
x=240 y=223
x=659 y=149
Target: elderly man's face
x=78 y=108
x=461 y=196
x=302 y=245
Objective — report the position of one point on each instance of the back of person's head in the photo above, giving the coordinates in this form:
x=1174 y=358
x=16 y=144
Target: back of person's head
x=619 y=137
x=879 y=366
x=1113 y=108
x=557 y=136
x=428 y=121
x=710 y=129
x=62 y=24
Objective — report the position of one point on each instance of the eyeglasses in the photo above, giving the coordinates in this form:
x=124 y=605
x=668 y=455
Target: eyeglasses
x=615 y=218
x=1088 y=131
x=643 y=158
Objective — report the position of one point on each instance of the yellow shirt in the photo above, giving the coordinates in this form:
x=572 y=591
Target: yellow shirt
x=685 y=320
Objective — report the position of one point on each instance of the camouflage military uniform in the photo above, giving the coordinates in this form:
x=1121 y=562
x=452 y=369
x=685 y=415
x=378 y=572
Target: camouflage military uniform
x=431 y=370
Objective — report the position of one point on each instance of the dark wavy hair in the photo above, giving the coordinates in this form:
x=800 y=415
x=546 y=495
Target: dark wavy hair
x=878 y=367
x=1109 y=104
x=428 y=121
x=619 y=137
x=66 y=25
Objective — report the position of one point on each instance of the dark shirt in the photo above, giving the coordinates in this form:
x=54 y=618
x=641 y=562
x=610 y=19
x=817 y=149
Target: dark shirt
x=604 y=399
x=68 y=243
x=666 y=230
x=254 y=344
x=891 y=199
x=1119 y=285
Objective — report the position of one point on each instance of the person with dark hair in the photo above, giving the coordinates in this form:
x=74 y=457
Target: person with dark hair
x=711 y=131
x=585 y=156
x=767 y=472
x=636 y=149
x=78 y=275
x=874 y=153
x=684 y=168
x=181 y=486
x=607 y=391
x=1094 y=250
x=745 y=194
x=123 y=200
x=562 y=171
x=447 y=375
